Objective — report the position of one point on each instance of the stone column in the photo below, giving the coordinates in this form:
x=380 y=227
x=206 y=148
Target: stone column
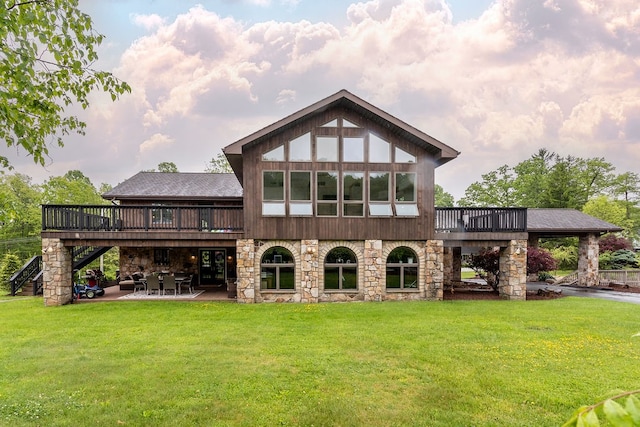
x=309 y=289
x=374 y=267
x=588 y=253
x=57 y=273
x=245 y=269
x=513 y=271
x=434 y=274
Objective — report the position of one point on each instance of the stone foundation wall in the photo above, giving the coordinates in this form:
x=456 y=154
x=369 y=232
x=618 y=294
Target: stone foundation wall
x=245 y=269
x=57 y=273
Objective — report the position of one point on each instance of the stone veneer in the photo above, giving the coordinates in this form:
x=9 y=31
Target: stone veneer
x=309 y=258
x=57 y=273
x=588 y=251
x=513 y=271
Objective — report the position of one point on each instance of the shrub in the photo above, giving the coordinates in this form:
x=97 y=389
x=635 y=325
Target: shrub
x=618 y=260
x=612 y=243
x=566 y=257
x=538 y=260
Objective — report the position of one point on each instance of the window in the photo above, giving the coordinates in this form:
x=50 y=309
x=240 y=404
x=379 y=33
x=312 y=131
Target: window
x=379 y=203
x=300 y=193
x=347 y=124
x=332 y=124
x=402 y=269
x=300 y=149
x=273 y=193
x=341 y=270
x=327 y=148
x=379 y=150
x=406 y=194
x=327 y=193
x=161 y=256
x=402 y=156
x=161 y=215
x=277 y=269
x=353 y=149
x=353 y=194
x=275 y=155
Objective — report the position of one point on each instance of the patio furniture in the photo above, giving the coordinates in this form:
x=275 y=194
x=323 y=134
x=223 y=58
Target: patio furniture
x=153 y=284
x=169 y=284
x=139 y=285
x=186 y=282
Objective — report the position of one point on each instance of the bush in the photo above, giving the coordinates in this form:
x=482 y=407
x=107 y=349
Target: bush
x=618 y=260
x=566 y=257
x=612 y=243
x=538 y=260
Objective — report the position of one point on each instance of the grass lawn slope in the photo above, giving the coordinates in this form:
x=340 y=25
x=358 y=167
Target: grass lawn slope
x=458 y=363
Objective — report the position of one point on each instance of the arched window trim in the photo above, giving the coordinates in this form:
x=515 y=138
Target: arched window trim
x=277 y=265
x=341 y=266
x=403 y=265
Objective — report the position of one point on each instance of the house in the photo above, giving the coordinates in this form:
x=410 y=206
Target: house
x=332 y=203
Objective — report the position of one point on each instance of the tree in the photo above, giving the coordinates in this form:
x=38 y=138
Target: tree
x=487 y=264
x=47 y=49
x=219 y=164
x=20 y=213
x=72 y=188
x=495 y=189
x=167 y=167
x=611 y=243
x=9 y=264
x=442 y=198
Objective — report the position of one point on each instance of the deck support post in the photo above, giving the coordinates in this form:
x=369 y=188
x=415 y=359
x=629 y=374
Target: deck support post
x=245 y=256
x=57 y=275
x=588 y=254
x=513 y=271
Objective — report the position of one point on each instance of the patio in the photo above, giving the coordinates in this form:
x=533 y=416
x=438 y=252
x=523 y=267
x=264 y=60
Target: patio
x=113 y=293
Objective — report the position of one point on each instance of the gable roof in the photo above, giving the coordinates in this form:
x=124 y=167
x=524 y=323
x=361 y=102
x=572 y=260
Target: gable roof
x=566 y=222
x=442 y=152
x=177 y=186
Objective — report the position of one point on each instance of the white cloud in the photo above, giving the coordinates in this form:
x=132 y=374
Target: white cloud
x=525 y=75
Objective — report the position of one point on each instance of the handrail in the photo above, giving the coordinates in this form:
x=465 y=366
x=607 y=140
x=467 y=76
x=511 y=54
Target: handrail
x=142 y=218
x=22 y=276
x=481 y=220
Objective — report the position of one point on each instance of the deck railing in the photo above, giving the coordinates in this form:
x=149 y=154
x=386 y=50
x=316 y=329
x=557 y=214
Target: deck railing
x=482 y=220
x=142 y=218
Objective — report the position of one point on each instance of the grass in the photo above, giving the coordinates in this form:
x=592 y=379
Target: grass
x=458 y=363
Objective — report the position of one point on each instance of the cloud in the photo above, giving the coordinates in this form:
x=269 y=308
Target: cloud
x=561 y=74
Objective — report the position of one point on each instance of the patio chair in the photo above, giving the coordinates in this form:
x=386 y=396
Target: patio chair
x=169 y=284
x=188 y=283
x=153 y=284
x=139 y=285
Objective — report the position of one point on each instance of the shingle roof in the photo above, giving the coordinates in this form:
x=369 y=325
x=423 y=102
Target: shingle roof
x=566 y=221
x=178 y=185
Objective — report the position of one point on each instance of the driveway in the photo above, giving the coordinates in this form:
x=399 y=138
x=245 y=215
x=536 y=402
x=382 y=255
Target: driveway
x=585 y=292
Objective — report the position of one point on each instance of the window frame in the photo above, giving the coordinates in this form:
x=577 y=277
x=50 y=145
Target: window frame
x=277 y=266
x=402 y=266
x=341 y=266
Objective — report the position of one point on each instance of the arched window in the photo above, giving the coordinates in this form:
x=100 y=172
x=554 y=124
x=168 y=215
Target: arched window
x=341 y=270
x=277 y=269
x=402 y=269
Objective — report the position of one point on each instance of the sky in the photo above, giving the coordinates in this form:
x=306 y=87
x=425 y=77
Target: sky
x=496 y=80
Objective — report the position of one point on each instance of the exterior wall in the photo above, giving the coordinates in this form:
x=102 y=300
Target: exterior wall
x=513 y=271
x=340 y=227
x=57 y=276
x=452 y=269
x=309 y=256
x=588 y=252
x=141 y=260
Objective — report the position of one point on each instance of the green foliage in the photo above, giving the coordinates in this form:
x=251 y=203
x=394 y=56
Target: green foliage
x=72 y=188
x=47 y=49
x=618 y=260
x=566 y=257
x=20 y=213
x=612 y=211
x=218 y=164
x=442 y=198
x=167 y=167
x=622 y=410
x=9 y=264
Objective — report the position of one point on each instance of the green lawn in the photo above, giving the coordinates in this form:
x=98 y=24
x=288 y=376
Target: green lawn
x=454 y=363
